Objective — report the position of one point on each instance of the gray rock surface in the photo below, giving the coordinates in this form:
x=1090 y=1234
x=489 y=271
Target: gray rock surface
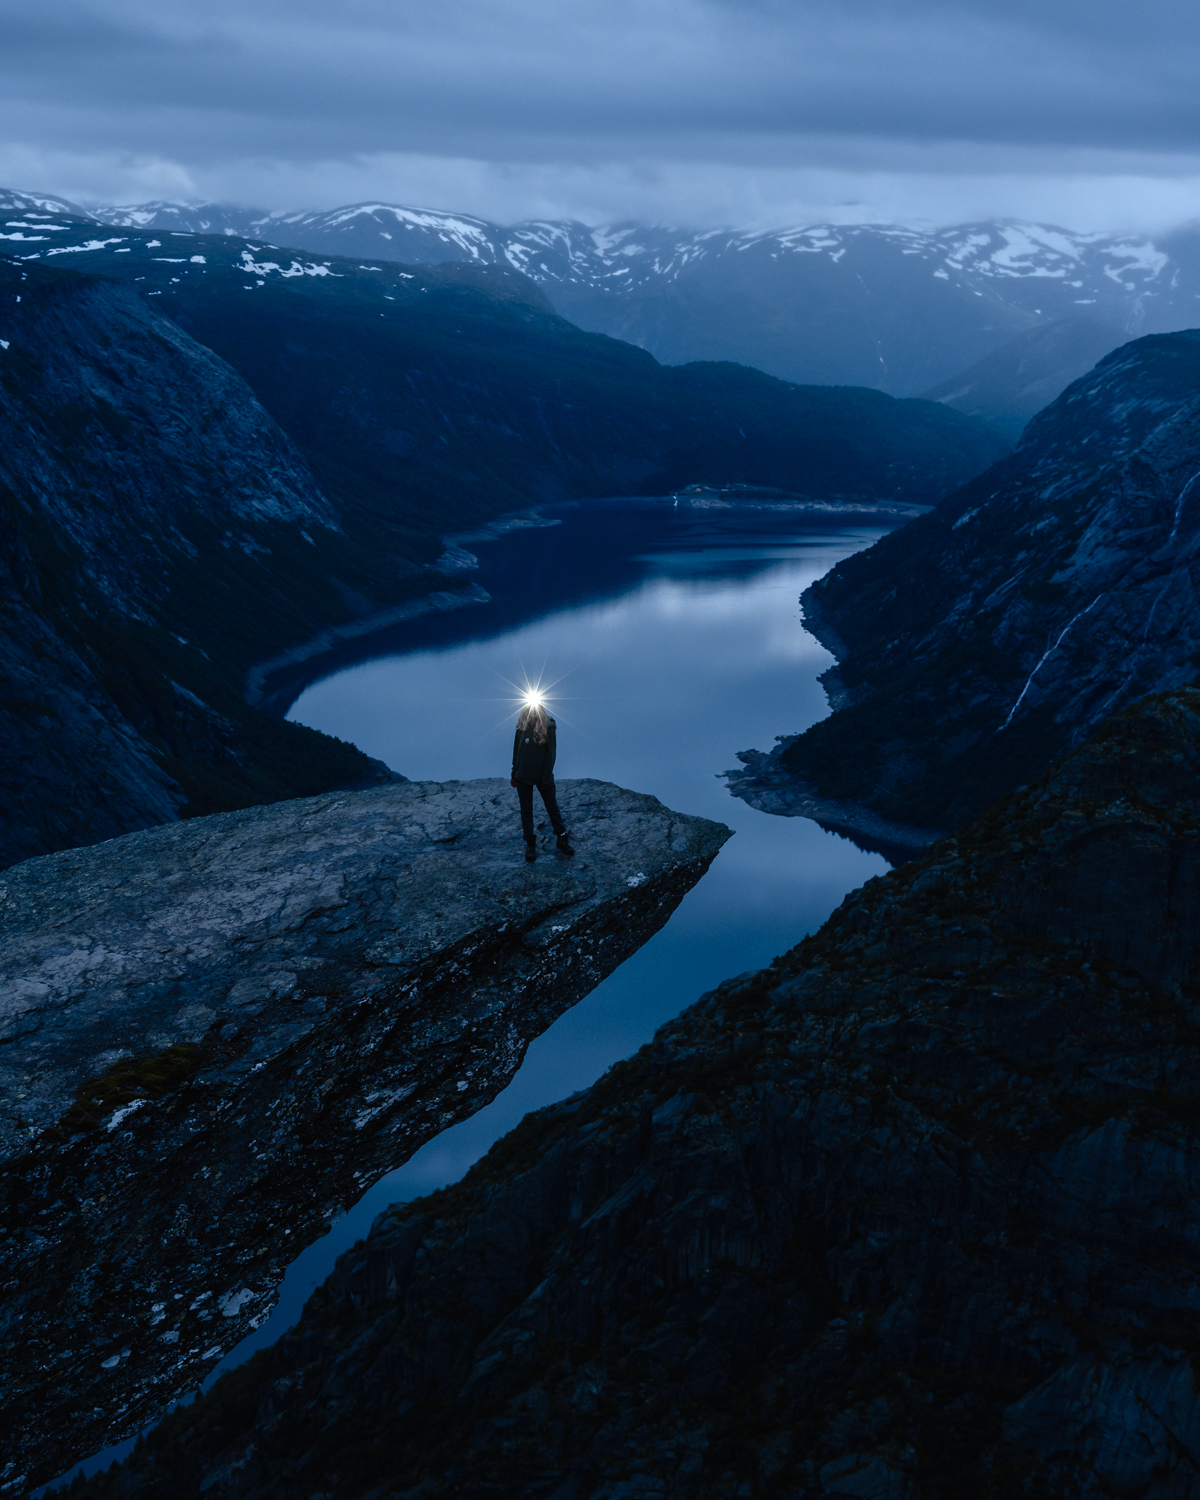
x=219 y=1032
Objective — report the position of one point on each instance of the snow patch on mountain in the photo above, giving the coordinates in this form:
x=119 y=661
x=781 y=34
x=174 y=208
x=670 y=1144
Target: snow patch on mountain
x=883 y=305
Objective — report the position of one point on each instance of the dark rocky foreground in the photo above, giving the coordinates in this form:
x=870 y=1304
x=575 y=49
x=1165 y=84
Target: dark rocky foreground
x=997 y=632
x=911 y=1214
x=218 y=1033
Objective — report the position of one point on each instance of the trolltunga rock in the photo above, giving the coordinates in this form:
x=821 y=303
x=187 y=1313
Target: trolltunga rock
x=220 y=1032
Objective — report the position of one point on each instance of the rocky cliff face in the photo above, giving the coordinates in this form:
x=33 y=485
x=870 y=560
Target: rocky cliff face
x=219 y=1033
x=910 y=1214
x=158 y=533
x=999 y=630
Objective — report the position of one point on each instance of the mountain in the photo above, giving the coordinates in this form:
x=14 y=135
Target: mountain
x=904 y=1216
x=437 y=396
x=238 y=456
x=158 y=533
x=205 y=218
x=44 y=205
x=897 y=309
x=1012 y=384
x=990 y=635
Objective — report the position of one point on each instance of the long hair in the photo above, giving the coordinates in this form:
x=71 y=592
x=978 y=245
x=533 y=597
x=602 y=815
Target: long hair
x=533 y=716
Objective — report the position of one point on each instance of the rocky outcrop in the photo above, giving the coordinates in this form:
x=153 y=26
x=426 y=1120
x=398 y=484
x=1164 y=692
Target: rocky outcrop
x=909 y=1214
x=219 y=1032
x=999 y=630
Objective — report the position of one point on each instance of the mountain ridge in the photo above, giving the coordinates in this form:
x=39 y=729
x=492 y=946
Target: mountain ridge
x=505 y=317
x=1012 y=384
x=821 y=303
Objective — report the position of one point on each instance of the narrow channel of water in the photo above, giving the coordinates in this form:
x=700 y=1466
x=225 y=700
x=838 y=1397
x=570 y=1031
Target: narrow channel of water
x=670 y=638
x=693 y=651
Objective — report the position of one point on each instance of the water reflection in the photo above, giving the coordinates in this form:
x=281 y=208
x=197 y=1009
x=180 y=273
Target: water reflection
x=697 y=653
x=584 y=553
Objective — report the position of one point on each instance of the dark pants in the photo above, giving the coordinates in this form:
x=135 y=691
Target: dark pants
x=525 y=793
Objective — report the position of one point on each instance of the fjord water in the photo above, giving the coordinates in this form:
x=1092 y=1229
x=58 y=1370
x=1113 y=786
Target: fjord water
x=669 y=638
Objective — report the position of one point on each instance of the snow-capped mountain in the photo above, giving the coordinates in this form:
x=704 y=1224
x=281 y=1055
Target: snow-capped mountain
x=878 y=305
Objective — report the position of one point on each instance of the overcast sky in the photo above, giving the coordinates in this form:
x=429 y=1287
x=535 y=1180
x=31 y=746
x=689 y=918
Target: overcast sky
x=692 y=112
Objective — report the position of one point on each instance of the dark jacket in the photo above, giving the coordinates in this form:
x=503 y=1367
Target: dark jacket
x=533 y=763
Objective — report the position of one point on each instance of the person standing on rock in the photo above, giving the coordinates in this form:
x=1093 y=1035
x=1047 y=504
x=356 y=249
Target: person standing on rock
x=534 y=749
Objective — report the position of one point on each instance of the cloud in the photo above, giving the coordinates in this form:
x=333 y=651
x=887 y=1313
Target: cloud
x=696 y=111
x=95 y=177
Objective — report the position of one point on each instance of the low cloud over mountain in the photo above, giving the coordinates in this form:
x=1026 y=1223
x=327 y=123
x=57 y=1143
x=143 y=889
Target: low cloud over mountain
x=700 y=111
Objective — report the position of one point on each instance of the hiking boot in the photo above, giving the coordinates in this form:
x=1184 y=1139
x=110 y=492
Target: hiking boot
x=562 y=844
x=530 y=852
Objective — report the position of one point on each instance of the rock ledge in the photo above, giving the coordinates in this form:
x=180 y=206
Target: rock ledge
x=221 y=1031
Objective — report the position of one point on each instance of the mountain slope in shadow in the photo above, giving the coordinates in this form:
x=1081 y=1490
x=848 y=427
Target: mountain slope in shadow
x=1011 y=385
x=999 y=630
x=153 y=540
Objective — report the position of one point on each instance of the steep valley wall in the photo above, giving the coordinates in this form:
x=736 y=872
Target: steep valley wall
x=1001 y=629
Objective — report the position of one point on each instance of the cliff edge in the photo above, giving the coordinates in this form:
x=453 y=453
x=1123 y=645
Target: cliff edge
x=219 y=1032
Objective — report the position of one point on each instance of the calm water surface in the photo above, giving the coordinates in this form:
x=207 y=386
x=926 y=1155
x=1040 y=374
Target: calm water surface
x=670 y=638
x=693 y=651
